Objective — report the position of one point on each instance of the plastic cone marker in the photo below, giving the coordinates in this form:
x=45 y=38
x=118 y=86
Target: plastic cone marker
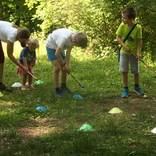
x=154 y=130
x=41 y=108
x=86 y=128
x=115 y=110
x=17 y=84
x=38 y=82
x=77 y=96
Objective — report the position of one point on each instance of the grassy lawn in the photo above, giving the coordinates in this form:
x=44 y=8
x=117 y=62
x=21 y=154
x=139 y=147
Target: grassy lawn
x=25 y=131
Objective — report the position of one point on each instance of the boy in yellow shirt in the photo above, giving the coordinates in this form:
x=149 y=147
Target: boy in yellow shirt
x=132 y=44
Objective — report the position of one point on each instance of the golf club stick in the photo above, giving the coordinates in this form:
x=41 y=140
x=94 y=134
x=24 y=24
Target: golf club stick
x=82 y=86
x=33 y=76
x=144 y=63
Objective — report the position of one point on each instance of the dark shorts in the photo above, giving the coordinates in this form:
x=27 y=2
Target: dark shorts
x=1 y=53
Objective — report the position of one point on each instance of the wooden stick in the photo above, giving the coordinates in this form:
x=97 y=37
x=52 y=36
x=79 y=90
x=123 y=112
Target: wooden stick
x=33 y=76
x=144 y=63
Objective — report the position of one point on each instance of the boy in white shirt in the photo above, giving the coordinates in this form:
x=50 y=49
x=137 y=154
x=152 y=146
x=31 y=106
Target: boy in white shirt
x=56 y=43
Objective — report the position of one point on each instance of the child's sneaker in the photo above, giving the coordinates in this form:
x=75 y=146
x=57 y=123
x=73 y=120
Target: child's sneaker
x=138 y=90
x=60 y=94
x=124 y=93
x=66 y=89
x=31 y=87
x=3 y=87
x=24 y=87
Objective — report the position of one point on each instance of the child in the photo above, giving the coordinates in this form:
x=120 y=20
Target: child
x=28 y=59
x=56 y=43
x=132 y=44
x=10 y=33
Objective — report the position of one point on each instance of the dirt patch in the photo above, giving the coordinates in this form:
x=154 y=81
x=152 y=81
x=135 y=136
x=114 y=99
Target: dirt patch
x=39 y=127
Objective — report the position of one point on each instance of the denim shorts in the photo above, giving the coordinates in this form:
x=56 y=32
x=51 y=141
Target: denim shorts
x=125 y=59
x=52 y=56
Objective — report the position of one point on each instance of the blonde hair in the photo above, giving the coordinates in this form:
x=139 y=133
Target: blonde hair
x=34 y=42
x=81 y=39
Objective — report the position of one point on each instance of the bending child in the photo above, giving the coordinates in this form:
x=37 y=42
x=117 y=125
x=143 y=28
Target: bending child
x=56 y=43
x=10 y=33
x=28 y=59
x=132 y=44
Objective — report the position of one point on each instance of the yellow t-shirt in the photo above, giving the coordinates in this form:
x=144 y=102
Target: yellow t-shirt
x=131 y=41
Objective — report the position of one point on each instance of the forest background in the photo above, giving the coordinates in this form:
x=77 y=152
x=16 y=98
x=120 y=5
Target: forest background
x=99 y=19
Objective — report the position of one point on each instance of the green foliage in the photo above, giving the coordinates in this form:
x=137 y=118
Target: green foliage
x=17 y=12
x=99 y=19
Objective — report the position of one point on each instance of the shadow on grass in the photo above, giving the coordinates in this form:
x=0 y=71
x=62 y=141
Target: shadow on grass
x=25 y=131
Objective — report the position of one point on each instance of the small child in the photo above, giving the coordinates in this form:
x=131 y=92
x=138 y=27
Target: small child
x=28 y=59
x=133 y=44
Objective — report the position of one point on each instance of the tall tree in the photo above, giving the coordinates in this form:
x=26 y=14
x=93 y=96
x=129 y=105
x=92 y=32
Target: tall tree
x=1 y=10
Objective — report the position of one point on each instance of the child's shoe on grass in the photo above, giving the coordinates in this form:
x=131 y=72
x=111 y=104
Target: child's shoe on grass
x=124 y=93
x=66 y=89
x=31 y=87
x=138 y=90
x=3 y=87
x=24 y=87
x=59 y=94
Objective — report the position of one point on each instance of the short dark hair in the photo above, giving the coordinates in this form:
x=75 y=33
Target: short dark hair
x=81 y=39
x=130 y=12
x=23 y=33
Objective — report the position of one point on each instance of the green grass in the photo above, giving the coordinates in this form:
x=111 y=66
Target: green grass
x=26 y=132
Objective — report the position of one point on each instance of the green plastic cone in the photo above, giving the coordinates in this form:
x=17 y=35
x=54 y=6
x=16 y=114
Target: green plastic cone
x=38 y=82
x=86 y=128
x=115 y=110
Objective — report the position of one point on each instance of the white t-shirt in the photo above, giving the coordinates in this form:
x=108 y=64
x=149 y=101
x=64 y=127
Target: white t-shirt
x=60 y=38
x=7 y=32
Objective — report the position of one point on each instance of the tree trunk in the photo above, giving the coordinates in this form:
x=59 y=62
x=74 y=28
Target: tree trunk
x=1 y=10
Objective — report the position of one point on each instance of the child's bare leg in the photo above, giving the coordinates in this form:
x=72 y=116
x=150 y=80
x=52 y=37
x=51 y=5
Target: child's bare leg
x=137 y=88
x=125 y=84
x=30 y=83
x=125 y=79
x=30 y=80
x=64 y=77
x=24 y=79
x=56 y=69
x=63 y=85
x=136 y=79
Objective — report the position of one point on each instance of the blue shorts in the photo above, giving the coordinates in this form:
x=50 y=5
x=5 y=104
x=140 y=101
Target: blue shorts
x=52 y=56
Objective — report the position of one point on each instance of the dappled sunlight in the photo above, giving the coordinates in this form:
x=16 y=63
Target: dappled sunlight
x=39 y=127
x=6 y=104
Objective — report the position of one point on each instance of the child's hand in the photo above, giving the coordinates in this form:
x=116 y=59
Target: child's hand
x=25 y=69
x=67 y=69
x=137 y=56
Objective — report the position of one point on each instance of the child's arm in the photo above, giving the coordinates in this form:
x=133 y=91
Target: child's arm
x=58 y=55
x=139 y=46
x=127 y=49
x=10 y=47
x=61 y=61
x=67 y=67
x=25 y=62
x=33 y=62
x=68 y=56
